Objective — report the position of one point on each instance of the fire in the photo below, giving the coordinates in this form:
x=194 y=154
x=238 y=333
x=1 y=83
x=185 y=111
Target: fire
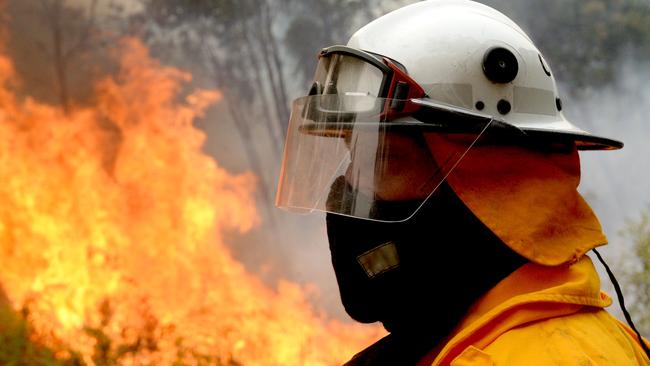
x=111 y=234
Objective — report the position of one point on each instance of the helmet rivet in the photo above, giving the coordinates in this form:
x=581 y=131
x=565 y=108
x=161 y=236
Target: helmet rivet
x=500 y=65
x=479 y=105
x=503 y=106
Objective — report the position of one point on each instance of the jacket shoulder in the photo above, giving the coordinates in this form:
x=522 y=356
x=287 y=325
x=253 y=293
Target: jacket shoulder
x=589 y=337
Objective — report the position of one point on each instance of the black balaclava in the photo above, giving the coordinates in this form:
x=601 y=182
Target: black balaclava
x=445 y=260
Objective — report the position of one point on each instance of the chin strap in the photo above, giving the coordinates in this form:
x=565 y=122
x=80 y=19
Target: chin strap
x=621 y=301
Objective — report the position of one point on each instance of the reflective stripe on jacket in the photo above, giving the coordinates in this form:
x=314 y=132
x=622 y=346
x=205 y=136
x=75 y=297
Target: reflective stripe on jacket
x=542 y=315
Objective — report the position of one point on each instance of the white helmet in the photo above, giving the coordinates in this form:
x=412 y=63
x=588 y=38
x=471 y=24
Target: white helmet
x=433 y=68
x=473 y=57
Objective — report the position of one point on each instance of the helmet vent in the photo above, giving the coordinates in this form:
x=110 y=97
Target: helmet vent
x=500 y=65
x=504 y=106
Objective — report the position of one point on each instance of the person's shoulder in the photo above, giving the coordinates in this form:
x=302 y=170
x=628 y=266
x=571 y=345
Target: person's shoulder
x=589 y=337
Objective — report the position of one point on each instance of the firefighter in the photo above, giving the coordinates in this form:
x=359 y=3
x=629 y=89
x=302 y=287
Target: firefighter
x=436 y=145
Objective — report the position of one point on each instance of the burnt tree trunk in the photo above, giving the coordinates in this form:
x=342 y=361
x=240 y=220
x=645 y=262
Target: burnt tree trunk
x=274 y=67
x=268 y=119
x=53 y=12
x=237 y=113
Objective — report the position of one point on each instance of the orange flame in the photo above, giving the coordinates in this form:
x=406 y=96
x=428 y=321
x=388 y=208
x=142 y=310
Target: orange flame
x=111 y=234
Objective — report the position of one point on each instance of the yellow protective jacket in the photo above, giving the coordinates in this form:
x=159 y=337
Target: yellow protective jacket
x=542 y=315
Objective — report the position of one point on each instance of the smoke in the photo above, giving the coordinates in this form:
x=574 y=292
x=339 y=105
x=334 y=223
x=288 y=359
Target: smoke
x=617 y=183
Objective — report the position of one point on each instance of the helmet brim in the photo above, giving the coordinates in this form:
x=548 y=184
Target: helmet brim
x=582 y=139
x=435 y=116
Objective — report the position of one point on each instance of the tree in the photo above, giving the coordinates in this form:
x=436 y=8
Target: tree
x=637 y=274
x=59 y=50
x=20 y=344
x=233 y=39
x=315 y=24
x=230 y=45
x=584 y=41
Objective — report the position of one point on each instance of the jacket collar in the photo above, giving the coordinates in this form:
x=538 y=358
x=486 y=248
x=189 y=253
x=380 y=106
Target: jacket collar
x=533 y=292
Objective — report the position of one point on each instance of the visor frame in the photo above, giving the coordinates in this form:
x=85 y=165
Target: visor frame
x=318 y=152
x=396 y=85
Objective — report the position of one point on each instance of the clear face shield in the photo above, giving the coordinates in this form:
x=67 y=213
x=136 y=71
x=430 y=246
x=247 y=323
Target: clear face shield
x=352 y=145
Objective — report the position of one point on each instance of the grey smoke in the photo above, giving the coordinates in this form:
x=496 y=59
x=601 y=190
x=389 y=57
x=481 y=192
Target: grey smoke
x=617 y=183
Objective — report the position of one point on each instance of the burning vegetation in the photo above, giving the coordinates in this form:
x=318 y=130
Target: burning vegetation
x=112 y=237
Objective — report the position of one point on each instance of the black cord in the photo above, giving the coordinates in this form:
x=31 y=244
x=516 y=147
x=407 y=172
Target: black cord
x=621 y=301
